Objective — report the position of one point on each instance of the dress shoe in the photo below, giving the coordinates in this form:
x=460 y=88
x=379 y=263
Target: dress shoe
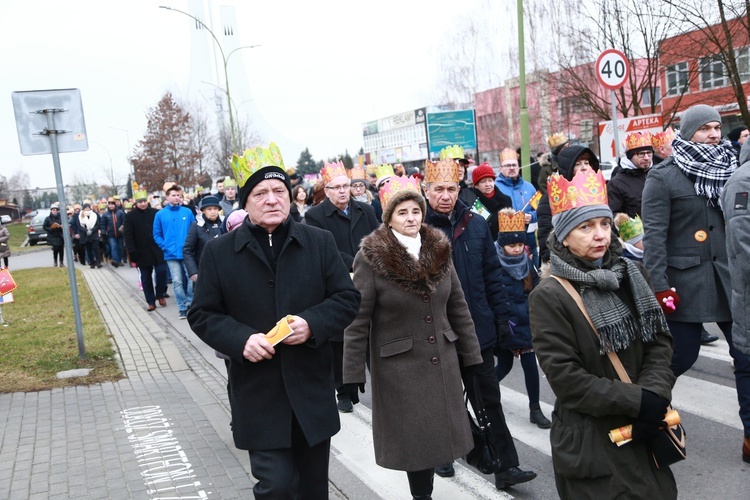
x=445 y=470
x=162 y=301
x=537 y=417
x=345 y=405
x=116 y=264
x=151 y=307
x=746 y=451
x=707 y=338
x=513 y=476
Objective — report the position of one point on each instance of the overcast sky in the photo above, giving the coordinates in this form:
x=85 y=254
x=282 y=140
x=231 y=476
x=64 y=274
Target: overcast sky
x=324 y=68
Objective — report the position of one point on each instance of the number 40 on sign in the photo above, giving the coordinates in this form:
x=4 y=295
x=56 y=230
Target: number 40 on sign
x=612 y=69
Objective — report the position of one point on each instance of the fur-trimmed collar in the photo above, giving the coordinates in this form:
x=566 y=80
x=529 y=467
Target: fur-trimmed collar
x=388 y=258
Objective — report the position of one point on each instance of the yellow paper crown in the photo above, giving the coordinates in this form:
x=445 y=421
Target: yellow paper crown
x=371 y=170
x=445 y=170
x=229 y=182
x=636 y=140
x=332 y=170
x=556 y=140
x=629 y=228
x=385 y=170
x=396 y=185
x=508 y=154
x=660 y=139
x=357 y=174
x=454 y=152
x=253 y=160
x=586 y=188
x=510 y=221
x=140 y=195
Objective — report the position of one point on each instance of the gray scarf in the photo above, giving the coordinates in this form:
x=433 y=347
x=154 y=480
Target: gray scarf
x=613 y=319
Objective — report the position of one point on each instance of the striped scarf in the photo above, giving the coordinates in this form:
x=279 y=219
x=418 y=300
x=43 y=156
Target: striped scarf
x=707 y=165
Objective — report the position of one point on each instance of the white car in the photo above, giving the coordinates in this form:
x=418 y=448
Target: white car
x=5 y=219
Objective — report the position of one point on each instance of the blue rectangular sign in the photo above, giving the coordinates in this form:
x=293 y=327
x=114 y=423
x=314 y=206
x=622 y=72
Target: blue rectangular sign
x=449 y=128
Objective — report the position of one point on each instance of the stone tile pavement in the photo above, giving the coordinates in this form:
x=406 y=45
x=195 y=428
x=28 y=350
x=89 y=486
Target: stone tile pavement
x=161 y=432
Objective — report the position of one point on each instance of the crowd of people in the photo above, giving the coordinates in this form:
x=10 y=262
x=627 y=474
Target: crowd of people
x=433 y=281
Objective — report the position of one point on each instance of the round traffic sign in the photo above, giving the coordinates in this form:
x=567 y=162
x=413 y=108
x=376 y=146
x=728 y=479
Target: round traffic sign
x=612 y=68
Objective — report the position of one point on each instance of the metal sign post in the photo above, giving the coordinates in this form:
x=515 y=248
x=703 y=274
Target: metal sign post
x=612 y=70
x=29 y=106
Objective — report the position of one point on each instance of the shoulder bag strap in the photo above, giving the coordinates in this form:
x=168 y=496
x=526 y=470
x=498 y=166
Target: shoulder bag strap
x=613 y=358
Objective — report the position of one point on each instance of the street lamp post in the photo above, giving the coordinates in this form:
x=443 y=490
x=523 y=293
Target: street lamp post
x=225 y=60
x=131 y=171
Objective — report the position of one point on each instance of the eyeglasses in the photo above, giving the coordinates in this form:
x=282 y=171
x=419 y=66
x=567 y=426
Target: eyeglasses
x=342 y=187
x=358 y=185
x=510 y=165
x=643 y=154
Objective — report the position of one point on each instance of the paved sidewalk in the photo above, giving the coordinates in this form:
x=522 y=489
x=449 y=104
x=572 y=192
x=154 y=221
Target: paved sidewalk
x=162 y=432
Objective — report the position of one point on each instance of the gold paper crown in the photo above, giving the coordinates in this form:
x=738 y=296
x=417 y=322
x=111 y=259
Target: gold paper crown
x=508 y=154
x=636 y=140
x=556 y=140
x=385 y=170
x=253 y=160
x=397 y=185
x=454 y=152
x=140 y=195
x=102 y=206
x=371 y=170
x=229 y=182
x=445 y=170
x=660 y=139
x=510 y=221
x=128 y=205
x=332 y=170
x=586 y=188
x=629 y=228
x=357 y=174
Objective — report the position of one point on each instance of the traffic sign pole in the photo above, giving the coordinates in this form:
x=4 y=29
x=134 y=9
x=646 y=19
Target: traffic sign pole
x=614 y=124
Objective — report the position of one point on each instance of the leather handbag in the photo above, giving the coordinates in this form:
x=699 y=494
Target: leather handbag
x=7 y=283
x=670 y=445
x=484 y=456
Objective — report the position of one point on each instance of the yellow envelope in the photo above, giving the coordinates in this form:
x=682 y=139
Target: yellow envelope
x=281 y=331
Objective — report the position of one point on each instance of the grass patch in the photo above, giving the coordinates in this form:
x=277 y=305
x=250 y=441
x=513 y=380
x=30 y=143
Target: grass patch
x=40 y=339
x=18 y=233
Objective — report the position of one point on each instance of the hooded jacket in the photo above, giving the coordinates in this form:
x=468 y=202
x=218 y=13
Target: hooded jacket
x=171 y=226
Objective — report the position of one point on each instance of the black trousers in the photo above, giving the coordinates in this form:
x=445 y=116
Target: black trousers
x=489 y=388
x=151 y=291
x=420 y=482
x=296 y=473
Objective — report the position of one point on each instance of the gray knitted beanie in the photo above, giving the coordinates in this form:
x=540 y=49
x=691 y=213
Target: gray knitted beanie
x=565 y=222
x=695 y=117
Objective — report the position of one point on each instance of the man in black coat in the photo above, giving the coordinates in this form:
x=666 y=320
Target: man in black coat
x=625 y=189
x=348 y=221
x=143 y=250
x=272 y=269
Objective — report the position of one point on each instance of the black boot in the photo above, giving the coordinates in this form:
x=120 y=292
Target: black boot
x=537 y=417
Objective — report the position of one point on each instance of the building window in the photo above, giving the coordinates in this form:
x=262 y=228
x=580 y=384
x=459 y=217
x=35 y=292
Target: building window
x=587 y=130
x=646 y=96
x=677 y=79
x=712 y=73
x=743 y=63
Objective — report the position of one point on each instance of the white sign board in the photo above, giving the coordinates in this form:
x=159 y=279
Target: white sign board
x=644 y=123
x=30 y=123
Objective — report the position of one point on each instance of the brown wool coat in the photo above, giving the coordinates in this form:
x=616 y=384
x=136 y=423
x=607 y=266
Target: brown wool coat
x=417 y=322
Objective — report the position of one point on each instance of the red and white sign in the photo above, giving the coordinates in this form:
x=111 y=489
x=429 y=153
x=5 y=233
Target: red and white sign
x=644 y=123
x=612 y=69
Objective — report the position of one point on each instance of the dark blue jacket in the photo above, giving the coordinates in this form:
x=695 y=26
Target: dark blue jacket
x=478 y=269
x=111 y=222
x=199 y=234
x=519 y=310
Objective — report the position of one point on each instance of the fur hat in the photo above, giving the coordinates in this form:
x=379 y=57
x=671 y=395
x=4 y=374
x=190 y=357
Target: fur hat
x=403 y=195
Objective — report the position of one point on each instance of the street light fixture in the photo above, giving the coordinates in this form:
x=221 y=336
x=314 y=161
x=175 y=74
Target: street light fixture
x=225 y=60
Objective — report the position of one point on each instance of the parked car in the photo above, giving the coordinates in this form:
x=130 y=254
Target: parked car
x=607 y=167
x=36 y=231
x=5 y=219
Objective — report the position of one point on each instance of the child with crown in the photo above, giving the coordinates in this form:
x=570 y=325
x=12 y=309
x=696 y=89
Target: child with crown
x=596 y=304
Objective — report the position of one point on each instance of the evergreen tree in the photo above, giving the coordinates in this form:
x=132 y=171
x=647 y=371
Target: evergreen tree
x=348 y=162
x=306 y=164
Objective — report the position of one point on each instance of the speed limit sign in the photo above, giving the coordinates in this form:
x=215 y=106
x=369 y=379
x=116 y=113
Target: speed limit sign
x=612 y=68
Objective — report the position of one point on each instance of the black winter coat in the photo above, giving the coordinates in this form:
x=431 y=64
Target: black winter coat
x=139 y=237
x=82 y=231
x=478 y=269
x=347 y=231
x=198 y=235
x=519 y=310
x=54 y=235
x=625 y=191
x=239 y=294
x=111 y=222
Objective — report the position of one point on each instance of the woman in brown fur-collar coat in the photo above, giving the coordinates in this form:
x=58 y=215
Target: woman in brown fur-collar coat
x=417 y=322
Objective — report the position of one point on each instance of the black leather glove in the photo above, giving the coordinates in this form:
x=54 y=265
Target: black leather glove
x=653 y=408
x=353 y=391
x=503 y=333
x=471 y=371
x=644 y=431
